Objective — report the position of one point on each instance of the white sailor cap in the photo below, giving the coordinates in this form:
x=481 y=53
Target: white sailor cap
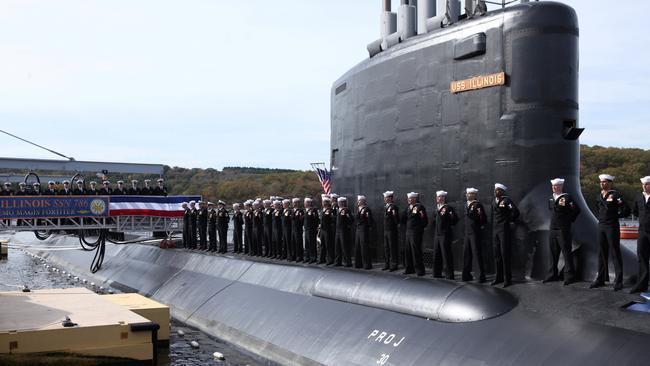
x=48 y=182
x=326 y=199
x=256 y=203
x=388 y=194
x=296 y=199
x=9 y=183
x=286 y=200
x=147 y=180
x=500 y=186
x=22 y=184
x=557 y=181
x=159 y=180
x=341 y=199
x=412 y=195
x=192 y=202
x=248 y=202
x=267 y=202
x=441 y=194
x=608 y=177
x=471 y=190
x=277 y=202
x=323 y=196
x=221 y=202
x=236 y=205
x=80 y=181
x=272 y=198
x=361 y=198
x=210 y=203
x=92 y=182
x=278 y=198
x=308 y=199
x=645 y=180
x=120 y=182
x=334 y=196
x=36 y=184
x=66 y=182
x=104 y=182
x=134 y=181
x=184 y=204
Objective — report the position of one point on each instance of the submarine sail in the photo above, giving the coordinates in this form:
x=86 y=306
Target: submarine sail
x=471 y=101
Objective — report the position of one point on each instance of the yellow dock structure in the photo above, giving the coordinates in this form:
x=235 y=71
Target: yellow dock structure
x=148 y=308
x=73 y=321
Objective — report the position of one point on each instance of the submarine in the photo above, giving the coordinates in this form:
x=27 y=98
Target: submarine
x=300 y=314
x=445 y=100
x=448 y=101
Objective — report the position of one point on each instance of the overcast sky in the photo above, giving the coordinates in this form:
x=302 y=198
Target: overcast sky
x=243 y=83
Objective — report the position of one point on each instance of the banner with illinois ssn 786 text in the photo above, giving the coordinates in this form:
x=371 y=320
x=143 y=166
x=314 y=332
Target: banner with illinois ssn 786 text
x=23 y=207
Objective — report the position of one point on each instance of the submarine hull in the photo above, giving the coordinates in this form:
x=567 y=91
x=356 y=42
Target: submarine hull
x=306 y=315
x=397 y=125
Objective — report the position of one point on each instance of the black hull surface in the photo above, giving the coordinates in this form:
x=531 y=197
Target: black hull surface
x=301 y=315
x=397 y=126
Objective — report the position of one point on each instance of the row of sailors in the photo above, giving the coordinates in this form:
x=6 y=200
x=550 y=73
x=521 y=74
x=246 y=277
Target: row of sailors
x=276 y=228
x=281 y=228
x=81 y=190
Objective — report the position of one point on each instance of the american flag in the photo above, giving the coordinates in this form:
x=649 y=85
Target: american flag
x=324 y=177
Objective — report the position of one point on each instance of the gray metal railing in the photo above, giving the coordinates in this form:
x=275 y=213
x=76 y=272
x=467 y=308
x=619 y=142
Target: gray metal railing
x=117 y=223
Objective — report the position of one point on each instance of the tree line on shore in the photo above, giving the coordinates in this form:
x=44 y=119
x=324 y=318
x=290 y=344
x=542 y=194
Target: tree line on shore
x=239 y=183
